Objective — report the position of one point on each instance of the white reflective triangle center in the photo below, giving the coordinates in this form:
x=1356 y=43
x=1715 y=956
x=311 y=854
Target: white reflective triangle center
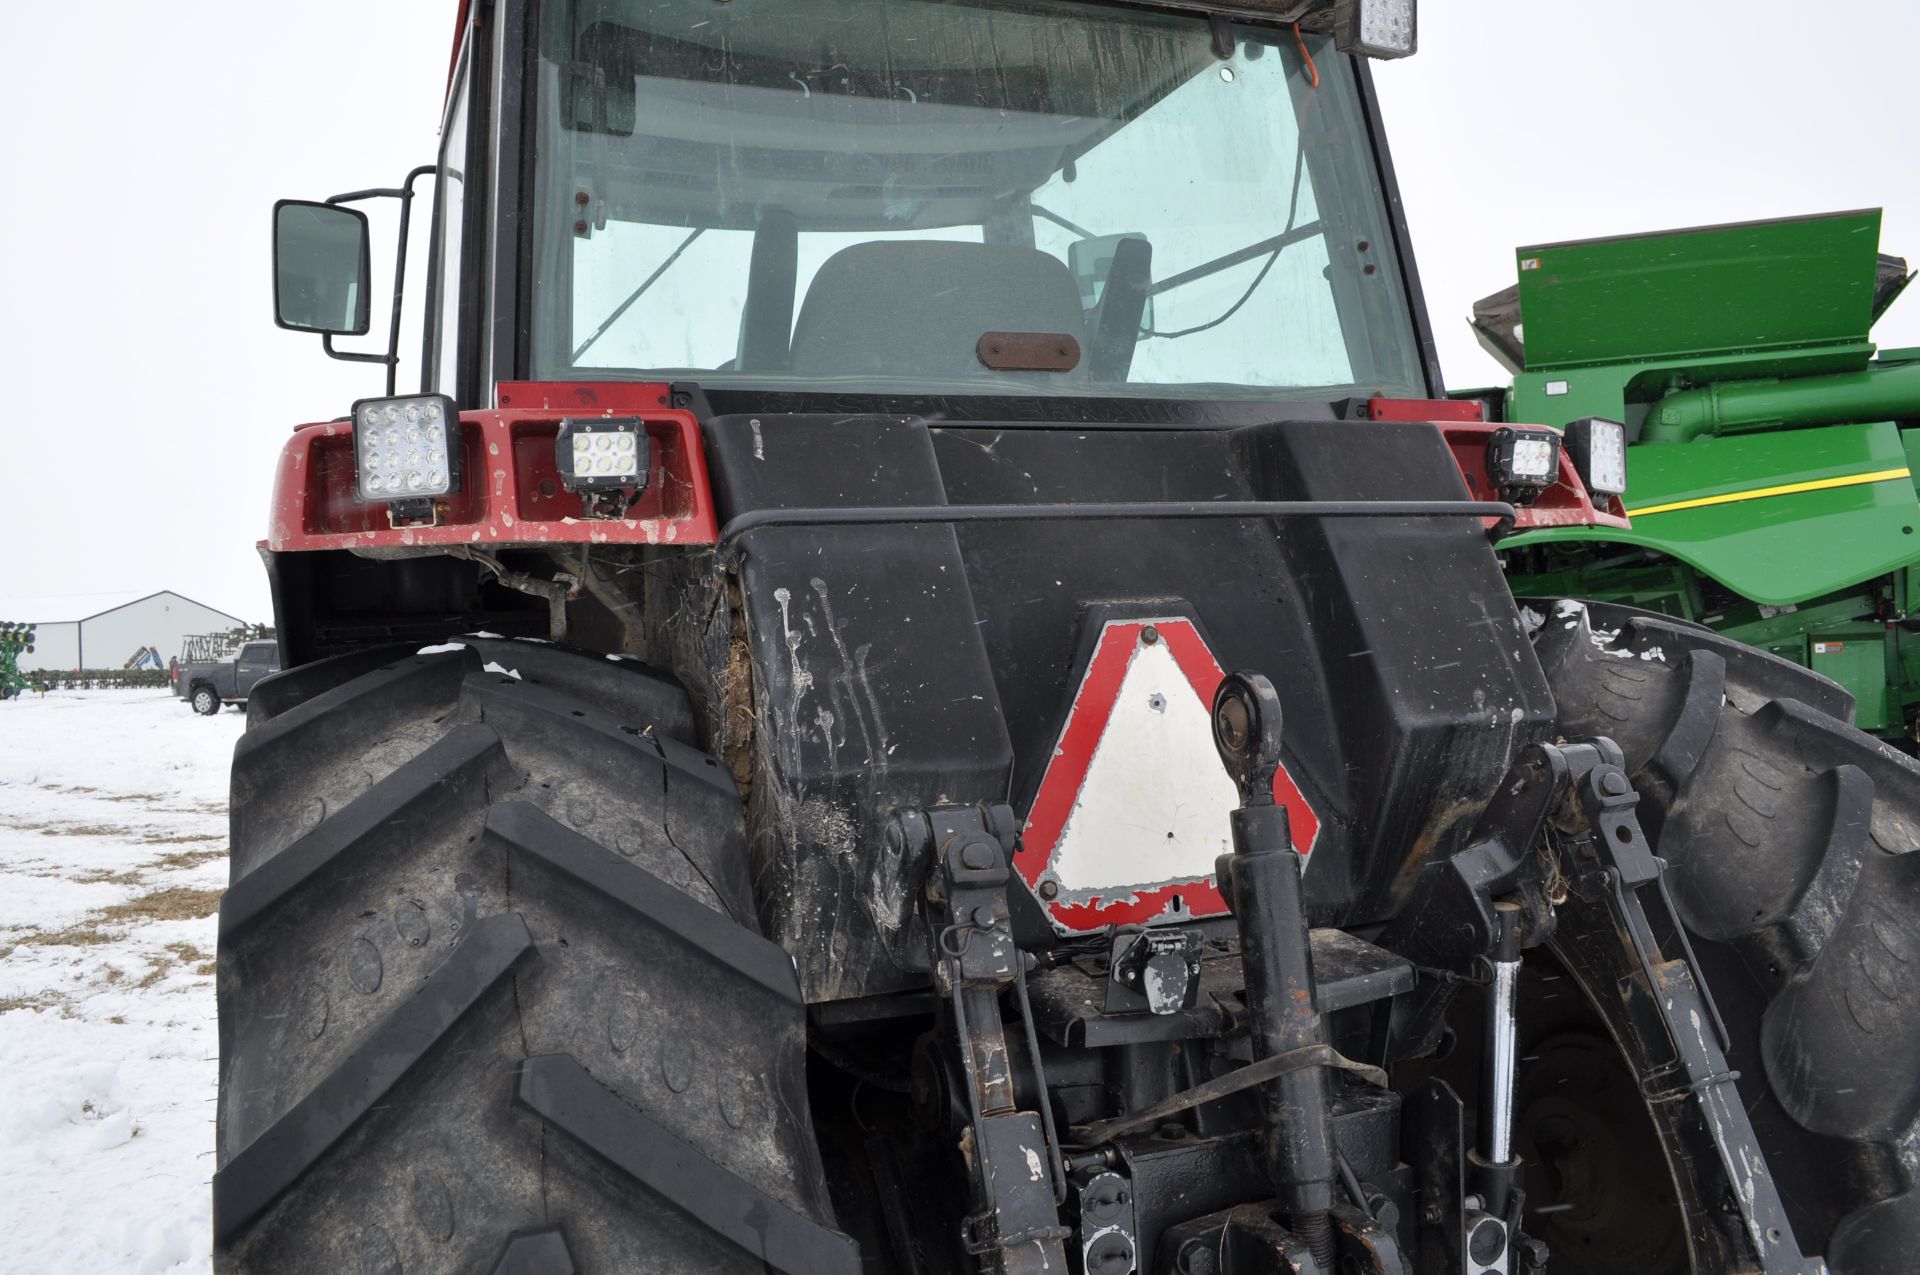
x=1134 y=806
x=1153 y=807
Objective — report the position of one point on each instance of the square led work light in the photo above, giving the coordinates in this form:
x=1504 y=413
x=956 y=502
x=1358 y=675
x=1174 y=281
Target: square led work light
x=1598 y=449
x=406 y=448
x=1376 y=28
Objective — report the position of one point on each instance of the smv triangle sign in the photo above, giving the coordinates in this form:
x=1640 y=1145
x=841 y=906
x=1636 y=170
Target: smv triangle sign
x=1133 y=808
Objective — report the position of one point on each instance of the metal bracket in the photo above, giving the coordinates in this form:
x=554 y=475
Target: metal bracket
x=1450 y=919
x=1019 y=1181
x=1224 y=45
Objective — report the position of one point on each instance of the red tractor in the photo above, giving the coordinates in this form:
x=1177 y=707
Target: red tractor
x=918 y=682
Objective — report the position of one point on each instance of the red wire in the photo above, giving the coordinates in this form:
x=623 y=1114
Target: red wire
x=1313 y=72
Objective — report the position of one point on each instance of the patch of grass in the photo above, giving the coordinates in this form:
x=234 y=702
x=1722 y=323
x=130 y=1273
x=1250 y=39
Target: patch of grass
x=148 y=797
x=173 y=904
x=176 y=903
x=39 y=1000
x=101 y=876
x=84 y=830
x=85 y=934
x=186 y=838
x=183 y=954
x=189 y=858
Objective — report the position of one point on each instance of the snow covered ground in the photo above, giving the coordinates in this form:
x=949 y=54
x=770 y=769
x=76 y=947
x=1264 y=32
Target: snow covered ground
x=113 y=853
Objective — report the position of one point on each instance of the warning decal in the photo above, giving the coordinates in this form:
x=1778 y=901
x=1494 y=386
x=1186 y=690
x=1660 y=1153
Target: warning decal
x=1133 y=808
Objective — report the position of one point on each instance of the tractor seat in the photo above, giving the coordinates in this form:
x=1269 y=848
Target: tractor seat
x=919 y=308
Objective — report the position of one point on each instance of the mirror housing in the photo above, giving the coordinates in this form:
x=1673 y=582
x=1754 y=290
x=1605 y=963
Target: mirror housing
x=1091 y=261
x=322 y=277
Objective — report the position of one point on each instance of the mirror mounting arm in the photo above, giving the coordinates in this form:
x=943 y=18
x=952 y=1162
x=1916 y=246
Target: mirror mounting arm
x=403 y=193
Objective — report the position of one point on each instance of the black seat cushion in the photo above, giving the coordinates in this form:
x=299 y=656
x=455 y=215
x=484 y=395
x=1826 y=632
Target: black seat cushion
x=919 y=308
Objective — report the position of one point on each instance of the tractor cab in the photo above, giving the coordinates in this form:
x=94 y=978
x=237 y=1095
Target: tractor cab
x=908 y=197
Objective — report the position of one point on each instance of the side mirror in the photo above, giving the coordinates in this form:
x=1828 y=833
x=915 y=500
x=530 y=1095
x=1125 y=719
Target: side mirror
x=321 y=277
x=1091 y=261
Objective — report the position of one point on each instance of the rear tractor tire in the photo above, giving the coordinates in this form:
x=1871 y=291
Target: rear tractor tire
x=491 y=994
x=1789 y=838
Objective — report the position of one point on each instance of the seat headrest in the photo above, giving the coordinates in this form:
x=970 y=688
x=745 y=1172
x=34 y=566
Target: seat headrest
x=918 y=308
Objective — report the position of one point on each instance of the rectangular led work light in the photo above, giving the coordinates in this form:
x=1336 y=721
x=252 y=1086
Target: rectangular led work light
x=1523 y=462
x=602 y=454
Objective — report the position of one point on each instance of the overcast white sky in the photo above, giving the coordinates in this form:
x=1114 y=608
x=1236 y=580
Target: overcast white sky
x=147 y=391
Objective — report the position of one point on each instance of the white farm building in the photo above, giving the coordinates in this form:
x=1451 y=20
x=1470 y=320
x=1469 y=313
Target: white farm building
x=105 y=630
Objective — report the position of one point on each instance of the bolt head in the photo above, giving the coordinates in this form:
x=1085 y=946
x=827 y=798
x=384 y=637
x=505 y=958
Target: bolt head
x=1196 y=1258
x=977 y=856
x=1615 y=784
x=1049 y=889
x=1149 y=635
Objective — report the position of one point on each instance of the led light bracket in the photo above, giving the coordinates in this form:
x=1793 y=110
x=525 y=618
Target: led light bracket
x=406 y=452
x=1523 y=462
x=413 y=513
x=606 y=459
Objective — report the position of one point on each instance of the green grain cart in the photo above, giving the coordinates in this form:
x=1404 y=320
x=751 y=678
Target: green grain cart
x=1770 y=466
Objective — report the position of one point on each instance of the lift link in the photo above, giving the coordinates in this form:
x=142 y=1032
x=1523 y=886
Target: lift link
x=1013 y=1227
x=1262 y=884
x=1607 y=860
x=1490 y=1227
